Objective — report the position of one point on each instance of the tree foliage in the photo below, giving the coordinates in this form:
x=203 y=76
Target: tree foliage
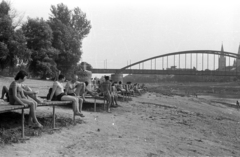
x=44 y=47
x=13 y=49
x=39 y=37
x=69 y=29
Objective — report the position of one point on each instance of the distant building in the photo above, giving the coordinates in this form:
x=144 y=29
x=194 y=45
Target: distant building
x=222 y=61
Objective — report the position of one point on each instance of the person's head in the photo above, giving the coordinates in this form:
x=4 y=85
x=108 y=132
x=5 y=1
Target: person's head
x=74 y=77
x=86 y=83
x=21 y=76
x=106 y=78
x=113 y=84
x=61 y=77
x=120 y=82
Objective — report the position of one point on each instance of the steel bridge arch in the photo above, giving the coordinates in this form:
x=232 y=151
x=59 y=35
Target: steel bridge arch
x=224 y=53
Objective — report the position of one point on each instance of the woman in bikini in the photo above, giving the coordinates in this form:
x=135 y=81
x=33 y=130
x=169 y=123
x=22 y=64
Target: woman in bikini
x=60 y=95
x=17 y=97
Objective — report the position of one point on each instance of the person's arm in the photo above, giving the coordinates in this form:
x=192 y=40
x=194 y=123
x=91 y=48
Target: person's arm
x=53 y=90
x=67 y=88
x=14 y=88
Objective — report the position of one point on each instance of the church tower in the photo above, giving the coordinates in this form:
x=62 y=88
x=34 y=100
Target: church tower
x=222 y=60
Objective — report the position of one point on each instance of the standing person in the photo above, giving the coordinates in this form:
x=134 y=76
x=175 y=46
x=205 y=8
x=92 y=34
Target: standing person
x=60 y=95
x=17 y=97
x=106 y=90
x=114 y=95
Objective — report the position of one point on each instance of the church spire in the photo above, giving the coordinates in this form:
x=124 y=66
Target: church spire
x=239 y=49
x=222 y=48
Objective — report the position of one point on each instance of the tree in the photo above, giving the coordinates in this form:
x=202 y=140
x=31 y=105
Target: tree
x=12 y=41
x=84 y=66
x=39 y=37
x=69 y=29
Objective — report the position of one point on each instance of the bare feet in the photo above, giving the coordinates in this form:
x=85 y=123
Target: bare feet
x=79 y=114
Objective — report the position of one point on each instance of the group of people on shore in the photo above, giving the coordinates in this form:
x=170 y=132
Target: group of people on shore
x=74 y=91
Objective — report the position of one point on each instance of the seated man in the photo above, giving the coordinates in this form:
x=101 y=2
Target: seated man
x=60 y=95
x=105 y=88
x=120 y=88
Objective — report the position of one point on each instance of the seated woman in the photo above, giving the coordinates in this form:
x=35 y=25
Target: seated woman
x=17 y=97
x=58 y=91
x=26 y=90
x=75 y=88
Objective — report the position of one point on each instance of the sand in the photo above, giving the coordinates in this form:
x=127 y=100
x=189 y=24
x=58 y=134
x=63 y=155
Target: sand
x=148 y=126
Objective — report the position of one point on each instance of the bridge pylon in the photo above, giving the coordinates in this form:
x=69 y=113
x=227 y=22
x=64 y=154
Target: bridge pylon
x=117 y=77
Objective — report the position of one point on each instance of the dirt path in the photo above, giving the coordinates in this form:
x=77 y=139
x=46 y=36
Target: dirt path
x=150 y=125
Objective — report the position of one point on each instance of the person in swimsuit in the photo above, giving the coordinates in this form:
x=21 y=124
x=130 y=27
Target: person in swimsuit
x=58 y=91
x=106 y=90
x=76 y=88
x=17 y=97
x=27 y=91
x=114 y=95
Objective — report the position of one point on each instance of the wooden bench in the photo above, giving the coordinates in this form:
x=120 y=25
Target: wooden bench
x=6 y=107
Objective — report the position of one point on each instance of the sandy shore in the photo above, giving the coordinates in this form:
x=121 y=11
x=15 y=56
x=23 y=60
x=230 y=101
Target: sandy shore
x=150 y=125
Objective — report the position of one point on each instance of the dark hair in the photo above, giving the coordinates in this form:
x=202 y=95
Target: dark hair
x=21 y=74
x=106 y=77
x=120 y=82
x=61 y=76
x=86 y=83
x=113 y=83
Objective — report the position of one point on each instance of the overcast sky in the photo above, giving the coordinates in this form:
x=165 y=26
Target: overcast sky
x=124 y=30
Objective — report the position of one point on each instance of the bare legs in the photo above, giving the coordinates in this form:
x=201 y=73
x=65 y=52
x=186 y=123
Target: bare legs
x=80 y=89
x=75 y=101
x=32 y=113
x=4 y=91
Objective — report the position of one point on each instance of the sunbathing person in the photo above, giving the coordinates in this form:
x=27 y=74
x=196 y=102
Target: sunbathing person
x=60 y=95
x=136 y=90
x=17 y=97
x=76 y=88
x=27 y=91
x=105 y=88
x=120 y=88
x=93 y=94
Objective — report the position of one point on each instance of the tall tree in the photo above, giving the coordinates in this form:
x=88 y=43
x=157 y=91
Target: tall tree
x=13 y=47
x=69 y=29
x=39 y=37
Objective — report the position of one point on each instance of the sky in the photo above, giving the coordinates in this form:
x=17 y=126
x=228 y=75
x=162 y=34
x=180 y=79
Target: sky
x=127 y=31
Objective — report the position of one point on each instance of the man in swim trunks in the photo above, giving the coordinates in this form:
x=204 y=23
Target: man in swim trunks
x=106 y=90
x=58 y=91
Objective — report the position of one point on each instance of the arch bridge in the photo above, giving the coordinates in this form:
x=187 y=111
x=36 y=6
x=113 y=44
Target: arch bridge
x=193 y=62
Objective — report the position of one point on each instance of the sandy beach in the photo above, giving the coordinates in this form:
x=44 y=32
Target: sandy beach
x=150 y=125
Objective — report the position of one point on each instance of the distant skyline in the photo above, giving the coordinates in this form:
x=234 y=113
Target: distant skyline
x=124 y=31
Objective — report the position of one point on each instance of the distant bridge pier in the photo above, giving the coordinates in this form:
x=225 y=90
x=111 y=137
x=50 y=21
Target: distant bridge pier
x=117 y=77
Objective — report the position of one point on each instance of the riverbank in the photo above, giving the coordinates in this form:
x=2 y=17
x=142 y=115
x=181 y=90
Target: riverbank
x=154 y=124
